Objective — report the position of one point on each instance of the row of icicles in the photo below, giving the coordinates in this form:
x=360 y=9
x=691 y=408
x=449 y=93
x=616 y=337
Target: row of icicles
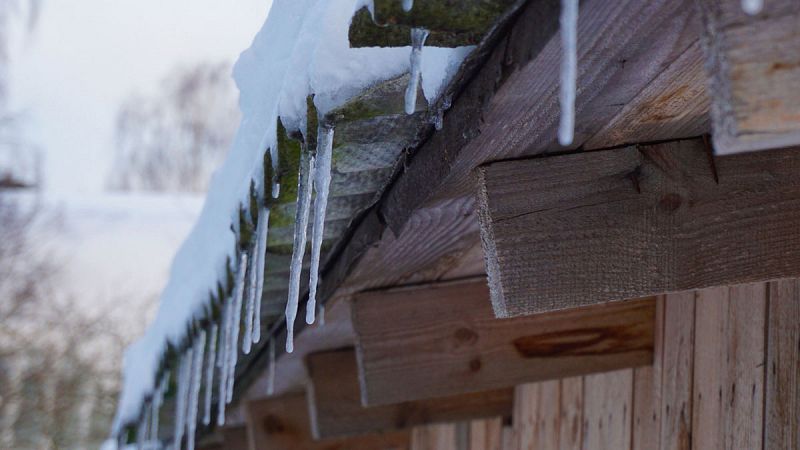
x=196 y=364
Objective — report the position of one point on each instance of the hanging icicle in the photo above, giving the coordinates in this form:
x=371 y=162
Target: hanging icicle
x=408 y=5
x=184 y=375
x=752 y=7
x=418 y=36
x=249 y=308
x=194 y=394
x=307 y=162
x=158 y=400
x=322 y=314
x=322 y=184
x=271 y=368
x=262 y=231
x=236 y=318
x=209 y=380
x=569 y=70
x=222 y=361
x=141 y=428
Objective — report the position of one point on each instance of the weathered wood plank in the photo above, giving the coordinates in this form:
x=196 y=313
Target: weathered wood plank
x=486 y=434
x=282 y=423
x=676 y=367
x=636 y=221
x=729 y=367
x=754 y=67
x=782 y=390
x=646 y=409
x=336 y=408
x=571 y=414
x=443 y=339
x=536 y=416
x=607 y=410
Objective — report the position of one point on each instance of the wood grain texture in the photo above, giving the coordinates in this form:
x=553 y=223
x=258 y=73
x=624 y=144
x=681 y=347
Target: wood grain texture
x=754 y=68
x=729 y=367
x=636 y=221
x=444 y=436
x=782 y=389
x=282 y=423
x=607 y=410
x=570 y=414
x=676 y=370
x=536 y=416
x=486 y=434
x=646 y=408
x=336 y=408
x=443 y=339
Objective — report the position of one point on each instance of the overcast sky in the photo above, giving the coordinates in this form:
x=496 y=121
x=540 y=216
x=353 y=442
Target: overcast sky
x=86 y=56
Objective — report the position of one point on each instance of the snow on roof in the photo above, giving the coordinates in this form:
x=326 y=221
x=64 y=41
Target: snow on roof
x=302 y=48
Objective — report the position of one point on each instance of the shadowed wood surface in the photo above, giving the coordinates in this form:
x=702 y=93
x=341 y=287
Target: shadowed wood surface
x=636 y=221
x=754 y=68
x=443 y=339
x=282 y=423
x=336 y=407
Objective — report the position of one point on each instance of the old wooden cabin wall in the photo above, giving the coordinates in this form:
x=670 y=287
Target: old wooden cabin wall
x=726 y=375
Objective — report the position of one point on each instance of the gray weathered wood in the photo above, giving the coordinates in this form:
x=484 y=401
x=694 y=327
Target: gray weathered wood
x=336 y=408
x=754 y=67
x=571 y=230
x=443 y=339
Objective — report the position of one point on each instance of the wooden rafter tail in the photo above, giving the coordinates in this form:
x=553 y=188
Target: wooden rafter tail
x=590 y=236
x=337 y=409
x=458 y=346
x=449 y=26
x=754 y=68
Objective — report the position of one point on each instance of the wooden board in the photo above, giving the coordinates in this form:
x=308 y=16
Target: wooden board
x=754 y=64
x=282 y=423
x=782 y=389
x=443 y=339
x=636 y=221
x=336 y=409
x=607 y=410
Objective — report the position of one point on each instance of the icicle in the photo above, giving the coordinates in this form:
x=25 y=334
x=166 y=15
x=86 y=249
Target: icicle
x=298 y=251
x=407 y=5
x=236 y=318
x=141 y=429
x=569 y=70
x=752 y=7
x=322 y=184
x=194 y=394
x=184 y=374
x=158 y=400
x=247 y=337
x=322 y=314
x=261 y=258
x=418 y=36
x=210 y=361
x=271 y=368
x=222 y=361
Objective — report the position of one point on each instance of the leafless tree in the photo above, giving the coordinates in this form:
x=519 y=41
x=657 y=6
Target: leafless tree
x=174 y=140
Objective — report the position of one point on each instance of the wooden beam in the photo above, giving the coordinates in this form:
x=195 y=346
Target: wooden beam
x=443 y=339
x=282 y=423
x=636 y=221
x=754 y=64
x=336 y=409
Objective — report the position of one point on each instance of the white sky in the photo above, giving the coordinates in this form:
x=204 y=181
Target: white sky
x=86 y=56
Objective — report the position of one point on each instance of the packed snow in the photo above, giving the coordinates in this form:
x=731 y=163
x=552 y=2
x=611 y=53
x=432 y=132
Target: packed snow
x=302 y=49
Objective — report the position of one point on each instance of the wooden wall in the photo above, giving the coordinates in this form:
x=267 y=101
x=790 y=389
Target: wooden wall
x=726 y=375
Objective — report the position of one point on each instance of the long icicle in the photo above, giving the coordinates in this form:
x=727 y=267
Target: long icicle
x=238 y=295
x=209 y=380
x=222 y=361
x=322 y=184
x=247 y=336
x=194 y=394
x=569 y=70
x=180 y=408
x=261 y=248
x=158 y=400
x=298 y=251
x=418 y=36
